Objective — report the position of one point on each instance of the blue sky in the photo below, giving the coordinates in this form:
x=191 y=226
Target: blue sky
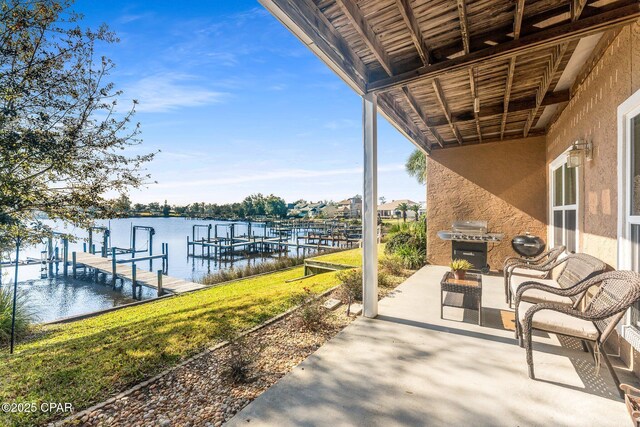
x=237 y=105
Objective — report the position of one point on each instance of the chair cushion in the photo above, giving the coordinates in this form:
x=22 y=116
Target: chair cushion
x=538 y=295
x=559 y=323
x=523 y=271
x=516 y=281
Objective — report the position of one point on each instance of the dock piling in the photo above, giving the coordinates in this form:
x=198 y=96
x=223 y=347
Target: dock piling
x=159 y=283
x=113 y=267
x=74 y=265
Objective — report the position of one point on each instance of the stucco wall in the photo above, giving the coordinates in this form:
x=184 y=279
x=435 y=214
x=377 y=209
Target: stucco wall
x=503 y=183
x=592 y=115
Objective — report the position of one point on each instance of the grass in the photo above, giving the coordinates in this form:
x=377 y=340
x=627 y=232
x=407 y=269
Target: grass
x=350 y=257
x=87 y=361
x=236 y=273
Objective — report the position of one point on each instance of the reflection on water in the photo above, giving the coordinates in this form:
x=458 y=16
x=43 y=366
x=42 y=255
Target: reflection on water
x=58 y=297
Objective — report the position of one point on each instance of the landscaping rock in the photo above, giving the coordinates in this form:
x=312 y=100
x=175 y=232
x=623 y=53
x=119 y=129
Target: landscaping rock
x=199 y=393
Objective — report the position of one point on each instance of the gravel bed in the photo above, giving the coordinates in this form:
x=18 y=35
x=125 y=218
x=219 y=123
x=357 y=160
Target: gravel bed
x=200 y=393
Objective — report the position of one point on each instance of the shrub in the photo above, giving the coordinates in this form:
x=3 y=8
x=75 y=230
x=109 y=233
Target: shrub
x=392 y=264
x=311 y=314
x=412 y=257
x=24 y=316
x=384 y=281
x=242 y=354
x=251 y=270
x=351 y=288
x=400 y=238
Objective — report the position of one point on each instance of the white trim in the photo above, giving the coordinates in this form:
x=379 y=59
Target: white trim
x=370 y=207
x=556 y=163
x=628 y=109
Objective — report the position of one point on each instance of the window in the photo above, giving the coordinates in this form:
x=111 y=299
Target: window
x=629 y=191
x=564 y=205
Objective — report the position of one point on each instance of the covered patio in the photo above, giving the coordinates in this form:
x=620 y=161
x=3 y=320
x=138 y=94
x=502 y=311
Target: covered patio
x=409 y=367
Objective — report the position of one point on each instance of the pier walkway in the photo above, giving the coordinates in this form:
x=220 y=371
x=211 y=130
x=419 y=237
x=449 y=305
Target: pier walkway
x=144 y=278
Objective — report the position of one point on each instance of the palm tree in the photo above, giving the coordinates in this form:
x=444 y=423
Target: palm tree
x=416 y=166
x=403 y=207
x=415 y=209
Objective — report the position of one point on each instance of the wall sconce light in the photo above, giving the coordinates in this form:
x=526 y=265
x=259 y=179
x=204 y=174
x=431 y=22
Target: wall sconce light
x=575 y=156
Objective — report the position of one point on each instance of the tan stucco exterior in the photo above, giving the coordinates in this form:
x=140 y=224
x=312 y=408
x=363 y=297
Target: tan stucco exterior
x=503 y=183
x=490 y=182
x=592 y=115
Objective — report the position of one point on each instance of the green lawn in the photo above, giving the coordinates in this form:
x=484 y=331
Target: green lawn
x=87 y=361
x=350 y=257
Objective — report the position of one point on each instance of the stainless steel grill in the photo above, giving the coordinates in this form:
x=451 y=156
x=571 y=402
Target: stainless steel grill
x=469 y=241
x=470 y=231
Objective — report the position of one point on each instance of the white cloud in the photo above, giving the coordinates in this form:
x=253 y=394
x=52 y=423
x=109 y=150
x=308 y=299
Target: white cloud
x=165 y=92
x=239 y=177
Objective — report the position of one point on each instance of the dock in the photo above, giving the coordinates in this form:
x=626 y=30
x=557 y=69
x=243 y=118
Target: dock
x=144 y=278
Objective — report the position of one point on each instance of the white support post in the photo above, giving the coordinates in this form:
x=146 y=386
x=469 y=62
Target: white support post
x=370 y=207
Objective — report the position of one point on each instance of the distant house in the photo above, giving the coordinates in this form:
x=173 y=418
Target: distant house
x=306 y=210
x=350 y=208
x=390 y=210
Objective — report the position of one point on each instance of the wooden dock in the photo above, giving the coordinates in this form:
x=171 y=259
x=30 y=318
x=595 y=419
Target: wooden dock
x=144 y=278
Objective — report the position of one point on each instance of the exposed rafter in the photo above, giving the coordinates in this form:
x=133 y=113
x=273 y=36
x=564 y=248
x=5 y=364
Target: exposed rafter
x=437 y=87
x=543 y=39
x=552 y=67
x=488 y=111
x=398 y=117
x=464 y=33
x=357 y=19
x=474 y=95
x=355 y=16
x=577 y=6
x=517 y=27
x=415 y=106
x=414 y=29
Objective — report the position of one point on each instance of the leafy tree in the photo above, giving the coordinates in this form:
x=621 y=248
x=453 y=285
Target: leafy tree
x=416 y=166
x=416 y=210
x=403 y=207
x=62 y=141
x=166 y=209
x=275 y=206
x=122 y=205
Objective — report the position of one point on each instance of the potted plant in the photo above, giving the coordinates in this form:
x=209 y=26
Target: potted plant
x=460 y=267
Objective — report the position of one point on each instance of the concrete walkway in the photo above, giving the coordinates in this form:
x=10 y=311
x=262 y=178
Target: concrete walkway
x=409 y=367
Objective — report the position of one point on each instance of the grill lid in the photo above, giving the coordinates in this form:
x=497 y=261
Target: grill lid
x=469 y=227
x=527 y=245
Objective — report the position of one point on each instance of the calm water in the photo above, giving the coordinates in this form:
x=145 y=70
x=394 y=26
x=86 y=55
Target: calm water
x=57 y=297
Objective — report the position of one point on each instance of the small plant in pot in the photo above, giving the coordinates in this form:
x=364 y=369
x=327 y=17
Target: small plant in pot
x=460 y=267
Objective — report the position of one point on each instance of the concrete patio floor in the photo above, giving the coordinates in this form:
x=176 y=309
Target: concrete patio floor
x=409 y=367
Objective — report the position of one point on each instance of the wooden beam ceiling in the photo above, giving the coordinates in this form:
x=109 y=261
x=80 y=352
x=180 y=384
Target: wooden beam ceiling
x=437 y=87
x=464 y=33
x=553 y=67
x=357 y=19
x=359 y=22
x=415 y=106
x=517 y=27
x=541 y=40
x=414 y=29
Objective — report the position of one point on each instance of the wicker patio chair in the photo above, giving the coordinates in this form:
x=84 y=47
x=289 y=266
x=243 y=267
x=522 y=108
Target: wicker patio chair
x=617 y=291
x=520 y=266
x=562 y=273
